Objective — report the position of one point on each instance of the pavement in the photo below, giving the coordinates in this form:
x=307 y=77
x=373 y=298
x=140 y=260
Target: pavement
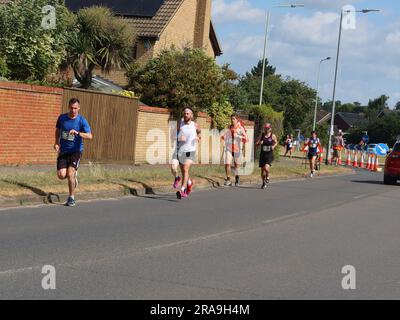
x=290 y=241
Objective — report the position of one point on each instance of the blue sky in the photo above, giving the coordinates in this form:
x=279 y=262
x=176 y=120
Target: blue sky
x=369 y=63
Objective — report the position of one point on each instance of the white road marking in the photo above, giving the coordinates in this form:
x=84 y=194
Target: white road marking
x=360 y=196
x=289 y=216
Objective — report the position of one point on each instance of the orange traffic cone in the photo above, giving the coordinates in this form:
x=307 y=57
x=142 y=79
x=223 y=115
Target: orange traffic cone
x=348 y=160
x=369 y=162
x=355 y=165
x=362 y=160
x=374 y=166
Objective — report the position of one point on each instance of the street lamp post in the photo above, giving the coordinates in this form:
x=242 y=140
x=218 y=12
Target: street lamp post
x=328 y=150
x=316 y=95
x=266 y=40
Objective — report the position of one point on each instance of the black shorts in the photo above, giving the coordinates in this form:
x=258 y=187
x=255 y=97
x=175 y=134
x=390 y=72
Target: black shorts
x=66 y=160
x=311 y=155
x=266 y=158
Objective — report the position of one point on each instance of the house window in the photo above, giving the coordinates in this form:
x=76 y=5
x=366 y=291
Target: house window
x=147 y=44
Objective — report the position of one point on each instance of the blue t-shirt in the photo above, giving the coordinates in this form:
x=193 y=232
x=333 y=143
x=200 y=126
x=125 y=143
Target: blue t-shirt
x=71 y=143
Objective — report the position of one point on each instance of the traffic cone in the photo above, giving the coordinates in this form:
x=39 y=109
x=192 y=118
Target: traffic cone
x=369 y=162
x=355 y=165
x=339 y=160
x=374 y=166
x=348 y=160
x=362 y=160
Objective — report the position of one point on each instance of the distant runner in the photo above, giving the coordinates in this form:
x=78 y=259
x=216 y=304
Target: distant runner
x=338 y=145
x=289 y=145
x=188 y=133
x=71 y=129
x=314 y=145
x=233 y=138
x=267 y=140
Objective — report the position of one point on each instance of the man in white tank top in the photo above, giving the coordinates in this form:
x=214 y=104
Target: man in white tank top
x=188 y=134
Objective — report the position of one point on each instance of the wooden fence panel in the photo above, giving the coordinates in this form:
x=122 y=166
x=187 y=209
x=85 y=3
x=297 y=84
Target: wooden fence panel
x=113 y=120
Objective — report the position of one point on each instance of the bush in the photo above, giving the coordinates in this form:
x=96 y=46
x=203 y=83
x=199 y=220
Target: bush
x=220 y=113
x=31 y=51
x=177 y=79
x=4 y=71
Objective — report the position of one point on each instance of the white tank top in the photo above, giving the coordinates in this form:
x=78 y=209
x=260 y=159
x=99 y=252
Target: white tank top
x=188 y=131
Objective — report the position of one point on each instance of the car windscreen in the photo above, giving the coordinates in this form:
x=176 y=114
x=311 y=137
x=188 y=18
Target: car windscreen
x=396 y=147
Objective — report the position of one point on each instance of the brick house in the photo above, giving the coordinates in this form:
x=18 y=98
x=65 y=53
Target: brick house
x=160 y=24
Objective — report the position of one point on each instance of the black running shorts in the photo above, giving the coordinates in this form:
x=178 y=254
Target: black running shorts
x=66 y=160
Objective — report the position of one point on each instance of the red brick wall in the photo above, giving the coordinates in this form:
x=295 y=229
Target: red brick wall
x=28 y=115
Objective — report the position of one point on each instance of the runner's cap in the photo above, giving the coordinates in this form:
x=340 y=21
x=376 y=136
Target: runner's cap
x=267 y=126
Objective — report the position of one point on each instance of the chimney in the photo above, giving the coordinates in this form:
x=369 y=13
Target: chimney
x=202 y=24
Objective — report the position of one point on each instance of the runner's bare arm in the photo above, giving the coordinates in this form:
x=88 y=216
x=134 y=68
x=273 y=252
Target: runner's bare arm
x=258 y=142
x=275 y=141
x=198 y=131
x=87 y=136
x=83 y=135
x=56 y=145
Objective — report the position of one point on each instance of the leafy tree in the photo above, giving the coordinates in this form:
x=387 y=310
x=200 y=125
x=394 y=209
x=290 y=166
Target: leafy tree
x=177 y=79
x=99 y=39
x=31 y=51
x=220 y=113
x=397 y=106
x=250 y=83
x=380 y=130
x=376 y=106
x=256 y=71
x=237 y=97
x=4 y=71
x=297 y=101
x=272 y=84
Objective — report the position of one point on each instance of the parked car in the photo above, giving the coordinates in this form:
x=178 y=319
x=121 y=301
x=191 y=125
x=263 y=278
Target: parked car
x=392 y=165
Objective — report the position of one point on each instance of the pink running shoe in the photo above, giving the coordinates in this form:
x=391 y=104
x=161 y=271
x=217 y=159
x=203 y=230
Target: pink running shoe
x=181 y=194
x=176 y=182
x=189 y=186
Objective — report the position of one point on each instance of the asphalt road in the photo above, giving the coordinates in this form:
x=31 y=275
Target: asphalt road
x=287 y=242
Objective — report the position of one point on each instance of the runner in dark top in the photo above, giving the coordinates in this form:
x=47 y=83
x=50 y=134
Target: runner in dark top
x=71 y=129
x=267 y=140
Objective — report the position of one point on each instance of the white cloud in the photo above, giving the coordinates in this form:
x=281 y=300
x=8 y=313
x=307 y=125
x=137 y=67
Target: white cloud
x=238 y=10
x=368 y=65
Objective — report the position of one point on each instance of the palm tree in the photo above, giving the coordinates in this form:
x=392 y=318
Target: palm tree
x=100 y=40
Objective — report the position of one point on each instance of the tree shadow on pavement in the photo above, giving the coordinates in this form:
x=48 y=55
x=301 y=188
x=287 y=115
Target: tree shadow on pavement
x=147 y=188
x=48 y=196
x=213 y=182
x=134 y=192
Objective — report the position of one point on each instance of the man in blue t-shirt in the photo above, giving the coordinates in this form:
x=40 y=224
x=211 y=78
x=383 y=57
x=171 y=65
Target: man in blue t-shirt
x=71 y=129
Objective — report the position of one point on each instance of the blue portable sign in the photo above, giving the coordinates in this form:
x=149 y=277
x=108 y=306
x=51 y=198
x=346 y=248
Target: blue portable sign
x=381 y=149
x=365 y=138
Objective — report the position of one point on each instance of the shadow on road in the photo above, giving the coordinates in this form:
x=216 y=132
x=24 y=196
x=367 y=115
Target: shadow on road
x=147 y=188
x=48 y=196
x=133 y=192
x=213 y=182
x=368 y=181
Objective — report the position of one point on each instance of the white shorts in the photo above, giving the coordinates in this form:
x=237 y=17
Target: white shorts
x=235 y=157
x=183 y=157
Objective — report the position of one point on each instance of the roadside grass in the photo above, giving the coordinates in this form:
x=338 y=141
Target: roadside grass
x=96 y=177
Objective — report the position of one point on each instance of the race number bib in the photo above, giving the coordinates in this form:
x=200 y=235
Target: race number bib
x=66 y=136
x=267 y=148
x=314 y=145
